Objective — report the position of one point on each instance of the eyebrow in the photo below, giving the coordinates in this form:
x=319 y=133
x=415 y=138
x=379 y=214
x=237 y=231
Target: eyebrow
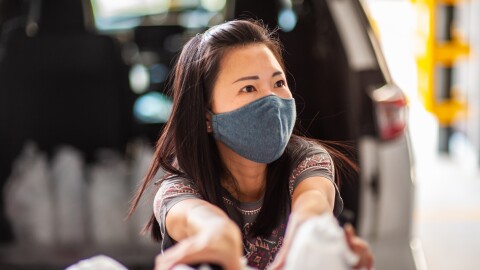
x=256 y=77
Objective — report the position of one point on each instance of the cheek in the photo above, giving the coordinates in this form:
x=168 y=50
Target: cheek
x=222 y=102
x=217 y=107
x=228 y=104
x=218 y=101
x=284 y=93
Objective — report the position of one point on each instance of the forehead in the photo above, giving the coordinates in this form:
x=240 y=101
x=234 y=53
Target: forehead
x=251 y=59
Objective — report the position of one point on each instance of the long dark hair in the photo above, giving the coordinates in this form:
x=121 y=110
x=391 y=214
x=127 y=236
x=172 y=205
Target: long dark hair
x=186 y=149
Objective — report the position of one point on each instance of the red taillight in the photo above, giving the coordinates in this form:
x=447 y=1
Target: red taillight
x=391 y=111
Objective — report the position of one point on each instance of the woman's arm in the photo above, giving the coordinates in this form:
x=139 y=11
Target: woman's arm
x=204 y=234
x=312 y=197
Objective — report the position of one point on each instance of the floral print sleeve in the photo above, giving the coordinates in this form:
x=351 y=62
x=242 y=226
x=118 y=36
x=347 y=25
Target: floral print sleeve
x=171 y=191
x=318 y=164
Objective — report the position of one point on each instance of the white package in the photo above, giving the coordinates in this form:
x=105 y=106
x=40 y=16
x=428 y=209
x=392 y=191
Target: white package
x=320 y=243
x=100 y=262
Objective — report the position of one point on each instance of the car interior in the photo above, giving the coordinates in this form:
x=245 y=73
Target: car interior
x=58 y=68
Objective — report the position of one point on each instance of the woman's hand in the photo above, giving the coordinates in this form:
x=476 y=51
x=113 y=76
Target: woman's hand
x=221 y=245
x=204 y=233
x=359 y=247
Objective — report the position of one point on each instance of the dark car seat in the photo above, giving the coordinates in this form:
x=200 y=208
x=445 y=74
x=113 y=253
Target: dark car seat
x=60 y=85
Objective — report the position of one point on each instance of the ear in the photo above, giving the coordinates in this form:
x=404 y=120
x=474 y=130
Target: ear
x=208 y=116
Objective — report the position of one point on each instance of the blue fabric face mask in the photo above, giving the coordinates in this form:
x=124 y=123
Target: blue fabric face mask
x=258 y=131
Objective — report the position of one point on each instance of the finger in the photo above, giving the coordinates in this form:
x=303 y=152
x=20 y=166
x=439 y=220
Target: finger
x=365 y=258
x=349 y=229
x=357 y=244
x=349 y=234
x=366 y=262
x=369 y=260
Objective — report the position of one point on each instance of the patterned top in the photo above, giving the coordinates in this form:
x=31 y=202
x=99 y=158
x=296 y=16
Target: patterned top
x=259 y=251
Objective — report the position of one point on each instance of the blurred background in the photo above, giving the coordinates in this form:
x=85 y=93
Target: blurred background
x=84 y=96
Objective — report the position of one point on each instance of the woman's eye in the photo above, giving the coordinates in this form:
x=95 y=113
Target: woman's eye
x=280 y=83
x=248 y=89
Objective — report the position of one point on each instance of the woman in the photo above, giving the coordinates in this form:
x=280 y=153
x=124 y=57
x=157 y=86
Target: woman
x=237 y=183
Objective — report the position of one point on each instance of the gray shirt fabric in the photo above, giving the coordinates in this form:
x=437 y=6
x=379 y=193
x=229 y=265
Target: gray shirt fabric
x=259 y=251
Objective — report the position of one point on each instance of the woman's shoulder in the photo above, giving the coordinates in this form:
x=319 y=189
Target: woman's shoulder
x=310 y=156
x=303 y=148
x=174 y=184
x=172 y=177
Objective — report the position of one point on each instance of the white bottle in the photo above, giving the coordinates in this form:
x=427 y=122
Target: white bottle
x=69 y=195
x=28 y=199
x=109 y=199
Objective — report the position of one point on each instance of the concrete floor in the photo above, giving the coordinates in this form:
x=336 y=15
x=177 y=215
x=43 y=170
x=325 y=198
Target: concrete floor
x=447 y=212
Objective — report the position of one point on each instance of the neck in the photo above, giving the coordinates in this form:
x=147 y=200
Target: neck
x=249 y=176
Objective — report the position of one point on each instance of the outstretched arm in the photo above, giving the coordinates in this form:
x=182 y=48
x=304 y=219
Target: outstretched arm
x=204 y=234
x=312 y=197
